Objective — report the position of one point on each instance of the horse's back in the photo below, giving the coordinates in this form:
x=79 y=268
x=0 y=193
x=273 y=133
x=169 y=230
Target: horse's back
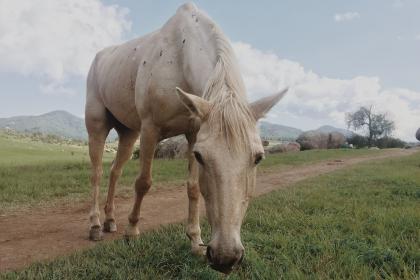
x=137 y=79
x=113 y=77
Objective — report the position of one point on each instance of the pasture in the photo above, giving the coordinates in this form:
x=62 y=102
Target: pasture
x=35 y=173
x=359 y=223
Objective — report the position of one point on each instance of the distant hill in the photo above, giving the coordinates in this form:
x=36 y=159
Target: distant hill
x=329 y=129
x=64 y=124
x=277 y=131
x=60 y=123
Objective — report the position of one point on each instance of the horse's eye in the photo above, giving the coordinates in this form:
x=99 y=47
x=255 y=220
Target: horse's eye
x=199 y=158
x=259 y=158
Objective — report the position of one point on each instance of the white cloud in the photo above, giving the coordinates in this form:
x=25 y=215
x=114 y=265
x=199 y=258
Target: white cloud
x=314 y=100
x=346 y=16
x=56 y=40
x=417 y=38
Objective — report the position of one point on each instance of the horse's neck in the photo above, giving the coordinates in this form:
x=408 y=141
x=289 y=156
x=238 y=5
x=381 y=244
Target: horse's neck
x=199 y=62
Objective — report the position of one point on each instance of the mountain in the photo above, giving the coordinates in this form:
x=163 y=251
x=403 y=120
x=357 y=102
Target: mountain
x=60 y=123
x=277 y=131
x=329 y=129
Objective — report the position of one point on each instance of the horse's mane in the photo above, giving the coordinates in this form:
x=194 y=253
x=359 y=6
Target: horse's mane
x=225 y=89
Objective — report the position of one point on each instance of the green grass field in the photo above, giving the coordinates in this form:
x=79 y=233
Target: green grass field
x=359 y=223
x=34 y=173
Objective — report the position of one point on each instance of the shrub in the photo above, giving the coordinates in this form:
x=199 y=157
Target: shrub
x=390 y=142
x=136 y=153
x=385 y=142
x=358 y=141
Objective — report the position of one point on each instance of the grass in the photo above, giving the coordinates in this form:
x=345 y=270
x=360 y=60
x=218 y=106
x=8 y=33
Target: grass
x=16 y=152
x=34 y=173
x=312 y=156
x=359 y=223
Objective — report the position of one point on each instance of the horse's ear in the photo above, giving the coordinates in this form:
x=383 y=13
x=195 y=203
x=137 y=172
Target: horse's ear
x=196 y=105
x=261 y=107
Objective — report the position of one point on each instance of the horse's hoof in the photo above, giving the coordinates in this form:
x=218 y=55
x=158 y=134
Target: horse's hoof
x=131 y=232
x=95 y=233
x=110 y=226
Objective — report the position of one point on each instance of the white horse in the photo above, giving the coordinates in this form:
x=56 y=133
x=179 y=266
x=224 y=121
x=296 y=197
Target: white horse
x=136 y=89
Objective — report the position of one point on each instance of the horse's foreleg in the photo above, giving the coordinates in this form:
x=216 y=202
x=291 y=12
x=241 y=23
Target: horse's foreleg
x=127 y=138
x=193 y=223
x=148 y=140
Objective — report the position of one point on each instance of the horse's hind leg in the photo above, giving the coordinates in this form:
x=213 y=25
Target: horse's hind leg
x=127 y=138
x=98 y=128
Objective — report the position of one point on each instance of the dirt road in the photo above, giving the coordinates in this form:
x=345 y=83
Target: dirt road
x=46 y=233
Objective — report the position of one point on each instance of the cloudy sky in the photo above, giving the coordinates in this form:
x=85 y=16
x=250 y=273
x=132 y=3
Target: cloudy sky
x=335 y=55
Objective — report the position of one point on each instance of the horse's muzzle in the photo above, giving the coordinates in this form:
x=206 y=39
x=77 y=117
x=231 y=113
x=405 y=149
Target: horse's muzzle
x=224 y=264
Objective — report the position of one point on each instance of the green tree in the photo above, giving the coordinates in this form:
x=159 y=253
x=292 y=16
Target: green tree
x=377 y=125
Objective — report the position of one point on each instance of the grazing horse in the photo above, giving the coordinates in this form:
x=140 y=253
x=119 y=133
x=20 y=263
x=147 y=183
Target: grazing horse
x=138 y=89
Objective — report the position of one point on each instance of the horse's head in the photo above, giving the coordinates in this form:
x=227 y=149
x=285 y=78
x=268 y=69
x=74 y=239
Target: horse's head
x=227 y=172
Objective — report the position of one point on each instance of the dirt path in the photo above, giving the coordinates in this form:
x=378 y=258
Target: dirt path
x=46 y=233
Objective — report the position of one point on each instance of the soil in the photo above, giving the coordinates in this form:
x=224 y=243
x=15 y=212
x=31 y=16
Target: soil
x=41 y=234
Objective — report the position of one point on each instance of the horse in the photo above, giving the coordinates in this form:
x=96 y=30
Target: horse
x=181 y=79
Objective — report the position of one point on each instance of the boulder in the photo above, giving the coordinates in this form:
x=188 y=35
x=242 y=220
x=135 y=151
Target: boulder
x=319 y=140
x=335 y=140
x=171 y=148
x=283 y=148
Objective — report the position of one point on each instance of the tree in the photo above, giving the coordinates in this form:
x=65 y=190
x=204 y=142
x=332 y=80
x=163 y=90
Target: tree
x=377 y=125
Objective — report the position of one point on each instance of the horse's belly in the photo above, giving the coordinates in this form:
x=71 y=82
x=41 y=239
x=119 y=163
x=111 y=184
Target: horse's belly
x=123 y=108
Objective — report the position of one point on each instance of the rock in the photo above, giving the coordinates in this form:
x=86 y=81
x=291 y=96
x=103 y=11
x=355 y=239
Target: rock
x=319 y=140
x=335 y=140
x=171 y=148
x=283 y=148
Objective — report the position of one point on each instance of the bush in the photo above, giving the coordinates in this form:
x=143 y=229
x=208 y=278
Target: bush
x=383 y=143
x=136 y=153
x=390 y=142
x=358 y=141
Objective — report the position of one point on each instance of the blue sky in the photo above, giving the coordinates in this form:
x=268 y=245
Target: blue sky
x=306 y=31
x=336 y=55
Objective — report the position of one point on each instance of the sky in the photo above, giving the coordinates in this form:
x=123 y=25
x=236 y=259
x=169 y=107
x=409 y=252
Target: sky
x=335 y=56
